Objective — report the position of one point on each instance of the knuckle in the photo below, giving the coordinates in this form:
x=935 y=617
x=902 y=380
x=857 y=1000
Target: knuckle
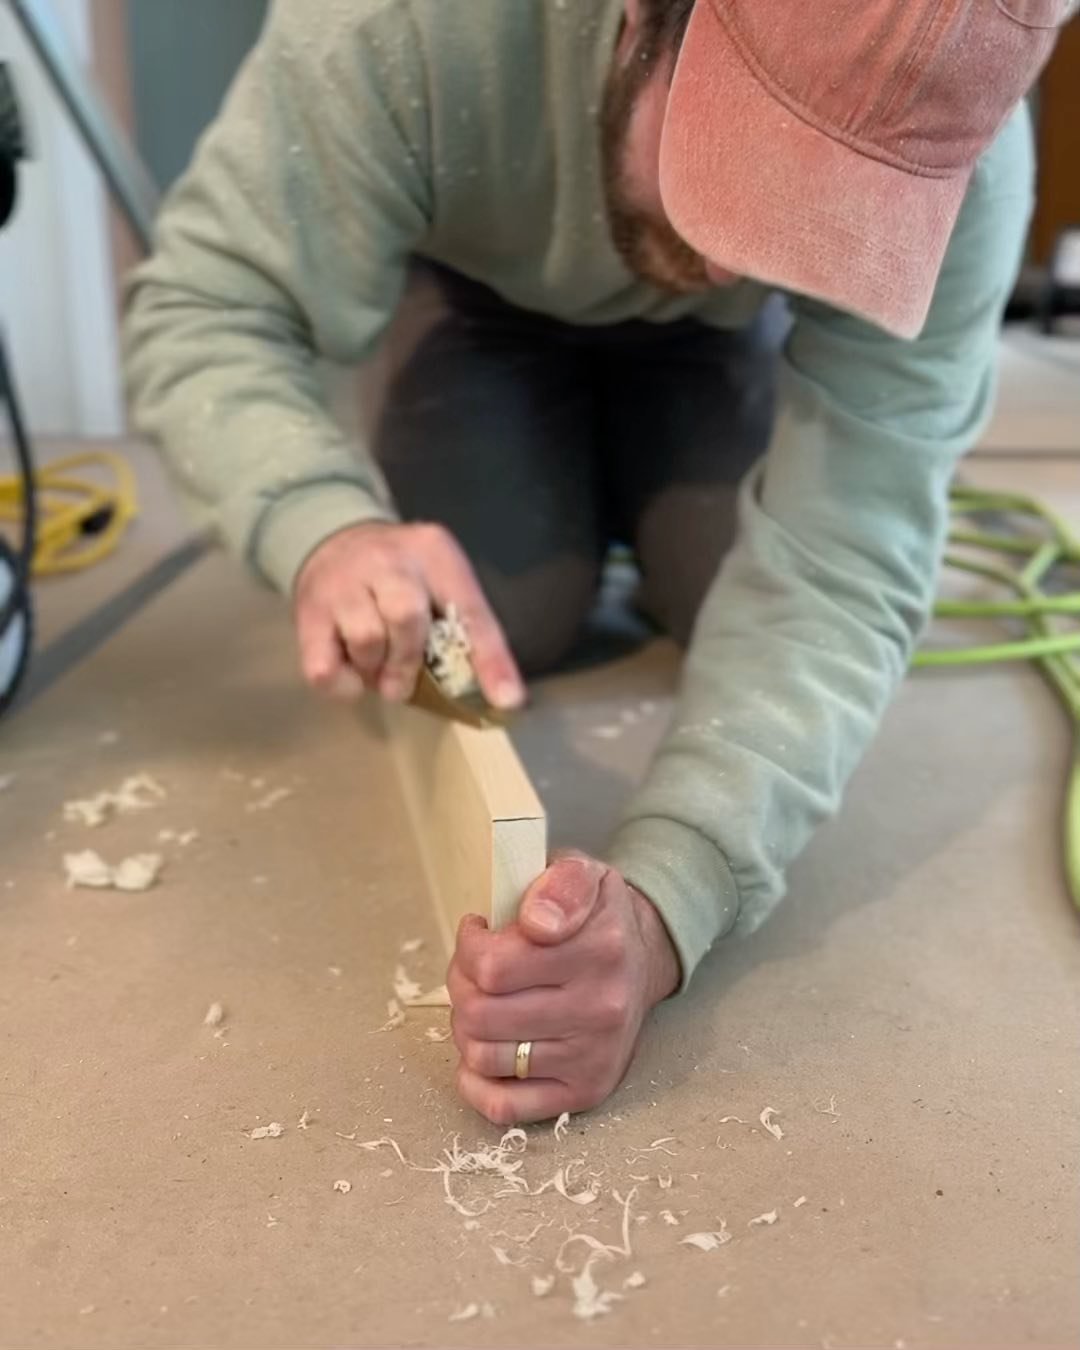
x=477 y=1055
x=488 y=973
x=613 y=1008
x=609 y=946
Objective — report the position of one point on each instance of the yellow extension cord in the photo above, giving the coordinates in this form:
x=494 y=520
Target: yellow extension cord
x=67 y=500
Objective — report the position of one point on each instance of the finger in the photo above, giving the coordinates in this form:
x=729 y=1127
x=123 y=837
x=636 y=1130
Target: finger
x=363 y=635
x=560 y=901
x=535 y=1015
x=498 y=1059
x=322 y=657
x=405 y=607
x=507 y=962
x=452 y=581
x=509 y=1102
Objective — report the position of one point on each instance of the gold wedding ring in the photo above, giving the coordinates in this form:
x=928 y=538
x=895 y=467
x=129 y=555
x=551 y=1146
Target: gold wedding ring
x=521 y=1059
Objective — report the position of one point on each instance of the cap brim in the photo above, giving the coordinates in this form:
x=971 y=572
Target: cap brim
x=763 y=193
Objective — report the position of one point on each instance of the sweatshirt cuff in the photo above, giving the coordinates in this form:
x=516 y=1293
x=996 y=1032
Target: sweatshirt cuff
x=292 y=528
x=687 y=880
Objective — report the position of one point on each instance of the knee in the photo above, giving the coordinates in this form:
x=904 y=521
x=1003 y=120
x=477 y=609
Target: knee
x=543 y=610
x=684 y=536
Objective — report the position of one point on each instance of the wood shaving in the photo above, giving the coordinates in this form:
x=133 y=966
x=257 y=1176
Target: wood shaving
x=723 y=1291
x=433 y=998
x=395 y=1017
x=336 y=971
x=215 y=1015
x=664 y=1181
x=707 y=1242
x=527 y=1237
x=608 y=733
x=668 y=1217
x=272 y=1131
x=829 y=1110
x=343 y=1187
x=412 y=945
x=305 y=1120
x=137 y=793
x=634 y=1281
x=89 y=869
x=561 y=1126
x=562 y=1180
x=505 y=1259
x=726 y=1120
x=465 y=1314
x=405 y=988
x=769 y=1219
x=434 y=1034
x=270 y=800
x=800 y=1202
x=767 y=1122
x=590 y=1301
x=542 y=1285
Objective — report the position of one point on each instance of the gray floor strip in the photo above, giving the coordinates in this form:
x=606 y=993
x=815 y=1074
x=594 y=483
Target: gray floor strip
x=85 y=637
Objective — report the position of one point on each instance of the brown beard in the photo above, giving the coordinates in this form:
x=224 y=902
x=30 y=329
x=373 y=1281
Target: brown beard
x=652 y=252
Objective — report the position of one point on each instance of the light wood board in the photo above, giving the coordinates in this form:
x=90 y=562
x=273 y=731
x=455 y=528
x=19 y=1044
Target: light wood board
x=478 y=824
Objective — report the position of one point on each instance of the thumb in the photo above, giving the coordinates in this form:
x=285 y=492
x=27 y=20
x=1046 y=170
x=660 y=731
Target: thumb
x=561 y=899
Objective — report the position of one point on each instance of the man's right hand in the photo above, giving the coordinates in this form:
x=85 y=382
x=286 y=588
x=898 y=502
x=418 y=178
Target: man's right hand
x=363 y=605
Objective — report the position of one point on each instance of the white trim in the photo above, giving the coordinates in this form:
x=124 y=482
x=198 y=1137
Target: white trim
x=57 y=288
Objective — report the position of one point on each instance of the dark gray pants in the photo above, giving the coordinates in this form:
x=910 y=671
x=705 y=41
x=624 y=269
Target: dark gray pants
x=538 y=443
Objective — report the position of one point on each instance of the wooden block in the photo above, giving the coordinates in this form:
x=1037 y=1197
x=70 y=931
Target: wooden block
x=478 y=823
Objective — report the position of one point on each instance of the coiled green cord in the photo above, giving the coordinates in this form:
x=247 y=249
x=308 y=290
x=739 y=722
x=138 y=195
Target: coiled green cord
x=1045 y=553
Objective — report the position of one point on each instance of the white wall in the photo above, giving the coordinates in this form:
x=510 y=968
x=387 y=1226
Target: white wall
x=57 y=290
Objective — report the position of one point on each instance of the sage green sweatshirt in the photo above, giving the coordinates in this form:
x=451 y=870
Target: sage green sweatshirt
x=363 y=132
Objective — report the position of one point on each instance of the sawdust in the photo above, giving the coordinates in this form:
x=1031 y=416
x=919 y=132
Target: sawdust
x=668 y=1217
x=561 y=1126
x=411 y=946
x=181 y=837
x=635 y=1281
x=136 y=793
x=272 y=1131
x=542 y=1285
x=447 y=655
x=215 y=1015
x=88 y=869
x=708 y=1241
x=767 y=1122
x=434 y=1034
x=270 y=800
x=800 y=1202
x=343 y=1187
x=465 y=1314
x=764 y=1219
x=395 y=1016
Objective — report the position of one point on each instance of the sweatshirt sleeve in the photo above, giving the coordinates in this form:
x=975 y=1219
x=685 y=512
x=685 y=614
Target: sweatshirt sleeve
x=810 y=626
x=286 y=242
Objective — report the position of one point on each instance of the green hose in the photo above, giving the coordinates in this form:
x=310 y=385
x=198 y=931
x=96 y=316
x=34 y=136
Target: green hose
x=1045 y=546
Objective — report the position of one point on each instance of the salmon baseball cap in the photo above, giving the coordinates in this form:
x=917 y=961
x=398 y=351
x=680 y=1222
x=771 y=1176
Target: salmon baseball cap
x=825 y=146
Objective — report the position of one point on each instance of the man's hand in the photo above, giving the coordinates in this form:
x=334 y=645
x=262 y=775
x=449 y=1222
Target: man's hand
x=577 y=974
x=363 y=608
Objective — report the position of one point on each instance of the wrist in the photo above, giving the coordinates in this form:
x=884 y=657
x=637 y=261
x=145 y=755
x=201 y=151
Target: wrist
x=663 y=970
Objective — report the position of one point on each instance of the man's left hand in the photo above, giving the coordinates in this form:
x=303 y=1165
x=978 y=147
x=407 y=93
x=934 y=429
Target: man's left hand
x=576 y=975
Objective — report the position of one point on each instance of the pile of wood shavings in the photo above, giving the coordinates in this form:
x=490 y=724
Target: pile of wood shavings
x=448 y=655
x=89 y=869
